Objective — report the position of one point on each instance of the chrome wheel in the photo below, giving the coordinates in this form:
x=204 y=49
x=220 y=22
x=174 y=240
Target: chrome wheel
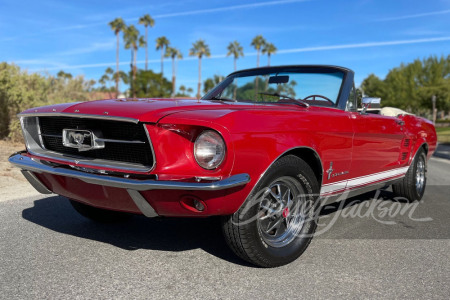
x=281 y=215
x=420 y=175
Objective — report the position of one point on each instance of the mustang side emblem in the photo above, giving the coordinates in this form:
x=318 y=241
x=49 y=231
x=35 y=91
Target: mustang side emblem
x=83 y=140
x=331 y=170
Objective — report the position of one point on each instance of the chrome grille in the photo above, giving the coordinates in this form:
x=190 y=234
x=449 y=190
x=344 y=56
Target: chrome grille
x=125 y=142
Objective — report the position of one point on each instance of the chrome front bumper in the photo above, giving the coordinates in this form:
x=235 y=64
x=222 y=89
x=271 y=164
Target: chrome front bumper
x=133 y=186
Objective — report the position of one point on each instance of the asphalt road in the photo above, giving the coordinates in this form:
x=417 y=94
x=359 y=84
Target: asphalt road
x=369 y=248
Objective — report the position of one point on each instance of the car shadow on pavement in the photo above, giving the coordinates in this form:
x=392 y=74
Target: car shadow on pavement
x=138 y=232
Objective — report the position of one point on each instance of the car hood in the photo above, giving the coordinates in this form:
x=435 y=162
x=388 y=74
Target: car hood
x=144 y=110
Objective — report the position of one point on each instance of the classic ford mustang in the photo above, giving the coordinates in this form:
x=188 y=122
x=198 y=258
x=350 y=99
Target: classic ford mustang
x=261 y=149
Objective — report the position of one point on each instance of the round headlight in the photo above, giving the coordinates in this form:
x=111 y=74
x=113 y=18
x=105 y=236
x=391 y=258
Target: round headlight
x=209 y=149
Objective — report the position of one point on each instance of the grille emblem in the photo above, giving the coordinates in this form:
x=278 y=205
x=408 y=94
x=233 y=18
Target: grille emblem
x=78 y=137
x=83 y=140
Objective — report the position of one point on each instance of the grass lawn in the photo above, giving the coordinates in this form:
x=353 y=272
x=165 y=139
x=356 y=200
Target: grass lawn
x=443 y=134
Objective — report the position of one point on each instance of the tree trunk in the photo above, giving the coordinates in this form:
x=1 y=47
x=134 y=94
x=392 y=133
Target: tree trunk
x=146 y=48
x=173 y=77
x=268 y=60
x=134 y=71
x=199 y=77
x=257 y=58
x=117 y=66
x=162 y=61
x=256 y=79
x=235 y=63
x=131 y=76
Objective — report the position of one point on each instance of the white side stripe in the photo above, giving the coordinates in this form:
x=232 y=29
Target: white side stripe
x=376 y=177
x=362 y=180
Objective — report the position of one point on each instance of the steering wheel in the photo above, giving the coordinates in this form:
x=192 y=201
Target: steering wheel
x=318 y=96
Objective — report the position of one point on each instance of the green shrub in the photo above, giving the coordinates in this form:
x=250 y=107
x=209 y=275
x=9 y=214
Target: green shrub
x=20 y=90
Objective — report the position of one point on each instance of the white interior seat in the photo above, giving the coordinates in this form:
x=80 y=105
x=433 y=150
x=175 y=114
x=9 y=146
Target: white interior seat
x=392 y=112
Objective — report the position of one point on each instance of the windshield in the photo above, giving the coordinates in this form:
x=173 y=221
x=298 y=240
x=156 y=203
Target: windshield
x=278 y=85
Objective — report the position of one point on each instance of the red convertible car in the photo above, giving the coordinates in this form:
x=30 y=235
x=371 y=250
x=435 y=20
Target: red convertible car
x=261 y=150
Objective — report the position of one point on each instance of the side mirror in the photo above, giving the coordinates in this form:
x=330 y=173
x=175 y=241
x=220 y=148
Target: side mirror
x=370 y=102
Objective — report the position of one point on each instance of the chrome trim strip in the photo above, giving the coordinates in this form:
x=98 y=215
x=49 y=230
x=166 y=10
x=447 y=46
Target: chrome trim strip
x=118 y=141
x=412 y=157
x=38 y=125
x=50 y=135
x=97 y=139
x=151 y=147
x=34 y=165
x=76 y=115
x=358 y=191
x=36 y=183
x=355 y=182
x=95 y=163
x=145 y=207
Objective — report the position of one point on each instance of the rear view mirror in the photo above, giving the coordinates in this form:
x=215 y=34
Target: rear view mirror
x=371 y=102
x=279 y=79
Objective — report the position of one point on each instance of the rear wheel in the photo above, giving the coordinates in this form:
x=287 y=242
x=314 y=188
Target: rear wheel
x=99 y=214
x=276 y=223
x=412 y=186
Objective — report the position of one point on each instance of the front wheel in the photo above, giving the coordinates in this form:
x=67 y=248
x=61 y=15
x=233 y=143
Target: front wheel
x=276 y=223
x=412 y=186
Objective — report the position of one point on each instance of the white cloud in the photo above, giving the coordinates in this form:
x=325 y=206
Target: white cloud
x=167 y=15
x=226 y=8
x=365 y=45
x=433 y=13
x=279 y=52
x=94 y=47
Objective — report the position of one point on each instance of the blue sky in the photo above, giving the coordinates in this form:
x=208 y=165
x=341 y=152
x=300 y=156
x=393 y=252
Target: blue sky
x=368 y=36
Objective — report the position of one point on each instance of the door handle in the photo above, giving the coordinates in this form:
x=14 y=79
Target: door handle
x=400 y=122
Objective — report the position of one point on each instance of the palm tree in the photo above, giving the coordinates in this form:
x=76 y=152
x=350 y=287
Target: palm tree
x=236 y=50
x=109 y=71
x=182 y=90
x=121 y=76
x=258 y=43
x=146 y=20
x=64 y=75
x=269 y=49
x=133 y=41
x=141 y=43
x=161 y=43
x=105 y=81
x=199 y=49
x=117 y=25
x=174 y=54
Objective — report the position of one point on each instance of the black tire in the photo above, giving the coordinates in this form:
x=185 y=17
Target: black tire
x=410 y=187
x=98 y=214
x=244 y=232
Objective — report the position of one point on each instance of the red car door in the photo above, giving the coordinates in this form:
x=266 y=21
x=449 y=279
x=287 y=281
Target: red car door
x=376 y=148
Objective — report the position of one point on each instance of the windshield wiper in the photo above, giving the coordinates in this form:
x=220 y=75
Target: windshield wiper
x=290 y=99
x=222 y=99
x=277 y=95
